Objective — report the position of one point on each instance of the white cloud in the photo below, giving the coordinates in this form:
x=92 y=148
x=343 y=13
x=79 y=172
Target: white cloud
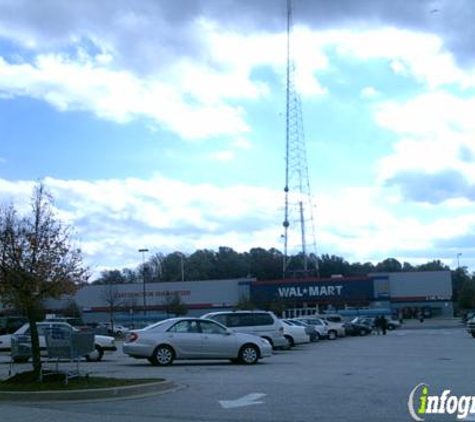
x=361 y=224
x=117 y=95
x=195 y=95
x=114 y=218
x=419 y=54
x=436 y=130
x=369 y=92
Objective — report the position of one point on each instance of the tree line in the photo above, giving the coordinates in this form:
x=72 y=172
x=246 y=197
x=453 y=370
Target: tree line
x=259 y=263
x=267 y=264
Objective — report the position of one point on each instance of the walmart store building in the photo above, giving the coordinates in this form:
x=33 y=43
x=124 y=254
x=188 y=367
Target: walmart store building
x=404 y=294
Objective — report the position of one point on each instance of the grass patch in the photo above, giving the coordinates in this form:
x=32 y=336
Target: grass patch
x=55 y=382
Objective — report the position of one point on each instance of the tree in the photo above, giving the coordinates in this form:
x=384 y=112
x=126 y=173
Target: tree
x=201 y=265
x=111 y=295
x=230 y=264
x=333 y=265
x=389 y=265
x=155 y=265
x=174 y=305
x=265 y=264
x=130 y=276
x=37 y=261
x=466 y=296
x=435 y=265
x=245 y=304
x=110 y=277
x=171 y=266
x=72 y=310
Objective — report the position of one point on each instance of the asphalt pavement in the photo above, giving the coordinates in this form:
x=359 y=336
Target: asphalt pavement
x=350 y=379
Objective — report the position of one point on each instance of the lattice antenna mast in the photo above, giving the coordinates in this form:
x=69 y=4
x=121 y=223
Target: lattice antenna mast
x=298 y=203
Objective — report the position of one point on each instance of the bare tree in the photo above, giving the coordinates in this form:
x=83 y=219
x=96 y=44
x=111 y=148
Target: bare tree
x=174 y=305
x=37 y=261
x=111 y=295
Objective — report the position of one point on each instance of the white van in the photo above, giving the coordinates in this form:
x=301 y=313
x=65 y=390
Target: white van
x=260 y=323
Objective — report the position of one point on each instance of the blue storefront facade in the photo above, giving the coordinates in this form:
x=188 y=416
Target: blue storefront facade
x=398 y=293
x=321 y=291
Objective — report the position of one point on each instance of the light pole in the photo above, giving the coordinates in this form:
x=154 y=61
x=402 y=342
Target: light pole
x=182 y=266
x=458 y=260
x=143 y=275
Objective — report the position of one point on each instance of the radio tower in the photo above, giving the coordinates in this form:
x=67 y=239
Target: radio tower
x=298 y=219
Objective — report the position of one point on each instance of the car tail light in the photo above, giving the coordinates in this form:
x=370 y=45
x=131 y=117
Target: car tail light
x=131 y=337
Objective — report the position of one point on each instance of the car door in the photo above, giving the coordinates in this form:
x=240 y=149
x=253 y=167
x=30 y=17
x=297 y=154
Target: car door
x=218 y=342
x=185 y=337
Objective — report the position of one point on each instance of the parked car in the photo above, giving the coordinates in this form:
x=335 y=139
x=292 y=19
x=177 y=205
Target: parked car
x=323 y=330
x=309 y=329
x=101 y=343
x=111 y=329
x=391 y=323
x=468 y=316
x=332 y=318
x=193 y=338
x=357 y=328
x=334 y=323
x=471 y=326
x=260 y=323
x=74 y=321
x=295 y=334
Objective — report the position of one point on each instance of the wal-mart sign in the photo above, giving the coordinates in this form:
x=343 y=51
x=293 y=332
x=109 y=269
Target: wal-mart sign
x=354 y=289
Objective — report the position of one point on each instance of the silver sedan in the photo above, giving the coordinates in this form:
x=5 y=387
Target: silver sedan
x=193 y=338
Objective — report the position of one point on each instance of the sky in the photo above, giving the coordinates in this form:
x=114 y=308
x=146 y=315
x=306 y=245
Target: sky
x=161 y=124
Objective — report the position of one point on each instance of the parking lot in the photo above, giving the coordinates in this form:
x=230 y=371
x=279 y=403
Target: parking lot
x=349 y=379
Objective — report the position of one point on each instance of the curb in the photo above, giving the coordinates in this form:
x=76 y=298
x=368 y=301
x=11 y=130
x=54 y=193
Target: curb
x=150 y=388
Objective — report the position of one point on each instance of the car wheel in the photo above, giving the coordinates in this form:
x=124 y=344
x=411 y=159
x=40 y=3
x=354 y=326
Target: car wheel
x=119 y=333
x=162 y=356
x=96 y=355
x=332 y=335
x=473 y=334
x=249 y=354
x=391 y=327
x=363 y=332
x=290 y=340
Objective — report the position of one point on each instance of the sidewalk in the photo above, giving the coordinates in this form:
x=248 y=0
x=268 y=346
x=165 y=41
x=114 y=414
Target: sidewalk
x=414 y=324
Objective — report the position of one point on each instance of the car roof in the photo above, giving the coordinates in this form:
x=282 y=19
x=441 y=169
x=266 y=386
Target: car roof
x=238 y=312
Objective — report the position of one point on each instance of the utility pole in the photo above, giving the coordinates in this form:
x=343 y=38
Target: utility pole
x=144 y=281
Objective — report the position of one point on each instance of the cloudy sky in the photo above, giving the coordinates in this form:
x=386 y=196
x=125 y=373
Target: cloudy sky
x=161 y=124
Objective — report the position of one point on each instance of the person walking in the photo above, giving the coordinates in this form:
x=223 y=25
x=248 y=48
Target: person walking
x=421 y=316
x=377 y=325
x=384 y=324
